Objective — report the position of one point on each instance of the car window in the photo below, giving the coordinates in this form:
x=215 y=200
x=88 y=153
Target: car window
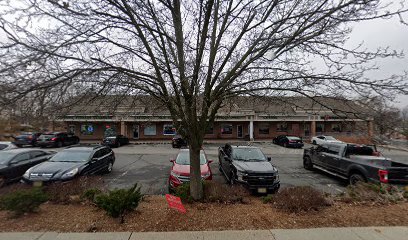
x=36 y=154
x=5 y=157
x=334 y=149
x=98 y=154
x=21 y=157
x=183 y=158
x=248 y=154
x=3 y=146
x=320 y=137
x=71 y=156
x=322 y=149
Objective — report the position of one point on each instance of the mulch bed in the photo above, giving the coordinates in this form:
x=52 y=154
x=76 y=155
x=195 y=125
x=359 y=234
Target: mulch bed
x=154 y=215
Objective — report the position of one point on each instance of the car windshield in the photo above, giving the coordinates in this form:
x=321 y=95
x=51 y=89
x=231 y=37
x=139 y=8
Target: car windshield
x=5 y=157
x=47 y=136
x=248 y=154
x=71 y=156
x=330 y=138
x=293 y=138
x=183 y=158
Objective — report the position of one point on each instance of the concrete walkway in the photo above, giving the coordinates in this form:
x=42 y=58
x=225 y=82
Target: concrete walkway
x=363 y=233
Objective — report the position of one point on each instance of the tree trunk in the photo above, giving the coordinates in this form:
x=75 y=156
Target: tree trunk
x=196 y=187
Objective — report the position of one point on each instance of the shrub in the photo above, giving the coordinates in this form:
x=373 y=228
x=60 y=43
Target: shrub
x=297 y=199
x=90 y=194
x=373 y=192
x=23 y=201
x=267 y=199
x=71 y=191
x=218 y=192
x=183 y=192
x=119 y=201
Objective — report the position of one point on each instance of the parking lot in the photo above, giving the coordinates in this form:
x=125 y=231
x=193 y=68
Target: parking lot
x=149 y=165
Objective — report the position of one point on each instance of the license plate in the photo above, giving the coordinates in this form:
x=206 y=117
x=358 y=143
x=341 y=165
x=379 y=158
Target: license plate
x=37 y=184
x=262 y=190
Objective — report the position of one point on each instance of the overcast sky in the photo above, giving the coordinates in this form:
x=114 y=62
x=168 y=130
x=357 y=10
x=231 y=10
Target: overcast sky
x=378 y=33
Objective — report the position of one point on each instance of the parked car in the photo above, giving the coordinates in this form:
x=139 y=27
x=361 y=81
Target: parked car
x=115 y=141
x=249 y=166
x=26 y=138
x=288 y=141
x=180 y=170
x=71 y=163
x=178 y=142
x=57 y=139
x=355 y=163
x=15 y=162
x=7 y=146
x=321 y=139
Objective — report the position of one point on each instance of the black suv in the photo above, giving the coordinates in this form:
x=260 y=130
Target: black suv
x=115 y=141
x=178 y=141
x=249 y=166
x=71 y=163
x=57 y=139
x=27 y=138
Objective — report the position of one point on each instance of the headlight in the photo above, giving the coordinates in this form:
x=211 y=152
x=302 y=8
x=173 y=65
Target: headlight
x=174 y=174
x=27 y=174
x=206 y=175
x=240 y=175
x=71 y=173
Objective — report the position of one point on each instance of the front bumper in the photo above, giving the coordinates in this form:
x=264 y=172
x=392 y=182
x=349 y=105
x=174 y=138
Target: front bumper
x=44 y=181
x=46 y=144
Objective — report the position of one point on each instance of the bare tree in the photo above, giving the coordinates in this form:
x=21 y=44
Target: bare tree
x=192 y=55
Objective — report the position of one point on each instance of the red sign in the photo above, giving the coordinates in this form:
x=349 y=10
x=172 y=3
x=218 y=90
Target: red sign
x=175 y=203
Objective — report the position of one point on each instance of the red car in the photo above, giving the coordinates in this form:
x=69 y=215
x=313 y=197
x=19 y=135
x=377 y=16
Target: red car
x=180 y=171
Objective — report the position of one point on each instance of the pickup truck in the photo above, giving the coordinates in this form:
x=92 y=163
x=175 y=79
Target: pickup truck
x=355 y=163
x=249 y=166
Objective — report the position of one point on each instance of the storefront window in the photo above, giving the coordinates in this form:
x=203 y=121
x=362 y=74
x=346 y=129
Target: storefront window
x=336 y=127
x=87 y=129
x=210 y=130
x=226 y=129
x=109 y=131
x=282 y=127
x=71 y=129
x=168 y=129
x=319 y=127
x=150 y=130
x=264 y=128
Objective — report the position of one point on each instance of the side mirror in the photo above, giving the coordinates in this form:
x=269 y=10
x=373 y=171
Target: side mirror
x=172 y=160
x=226 y=159
x=94 y=160
x=269 y=159
x=210 y=161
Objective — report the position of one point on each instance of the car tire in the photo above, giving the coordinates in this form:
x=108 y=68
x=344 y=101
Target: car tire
x=59 y=144
x=355 y=178
x=314 y=142
x=118 y=144
x=231 y=180
x=285 y=145
x=19 y=145
x=109 y=167
x=307 y=163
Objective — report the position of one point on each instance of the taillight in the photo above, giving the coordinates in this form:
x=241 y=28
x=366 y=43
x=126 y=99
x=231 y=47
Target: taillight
x=53 y=139
x=383 y=174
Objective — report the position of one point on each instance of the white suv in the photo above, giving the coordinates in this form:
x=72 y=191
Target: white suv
x=317 y=140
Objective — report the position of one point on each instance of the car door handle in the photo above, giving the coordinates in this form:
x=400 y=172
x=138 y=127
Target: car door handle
x=323 y=155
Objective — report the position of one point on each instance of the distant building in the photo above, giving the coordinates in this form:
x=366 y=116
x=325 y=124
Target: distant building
x=241 y=117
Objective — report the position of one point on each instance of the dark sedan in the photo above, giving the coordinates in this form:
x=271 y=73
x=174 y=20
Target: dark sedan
x=178 y=142
x=57 y=139
x=288 y=141
x=15 y=162
x=71 y=163
x=115 y=141
x=28 y=138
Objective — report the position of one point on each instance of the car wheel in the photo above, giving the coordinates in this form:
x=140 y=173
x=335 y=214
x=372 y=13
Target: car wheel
x=314 y=142
x=307 y=163
x=355 y=178
x=231 y=179
x=285 y=145
x=59 y=144
x=19 y=145
x=109 y=168
x=118 y=144
x=2 y=182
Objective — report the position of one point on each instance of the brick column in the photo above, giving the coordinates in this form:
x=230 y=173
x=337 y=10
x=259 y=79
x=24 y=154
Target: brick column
x=313 y=128
x=251 y=130
x=122 y=128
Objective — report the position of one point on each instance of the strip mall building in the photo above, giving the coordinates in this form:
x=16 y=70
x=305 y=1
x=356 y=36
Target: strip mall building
x=245 y=117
